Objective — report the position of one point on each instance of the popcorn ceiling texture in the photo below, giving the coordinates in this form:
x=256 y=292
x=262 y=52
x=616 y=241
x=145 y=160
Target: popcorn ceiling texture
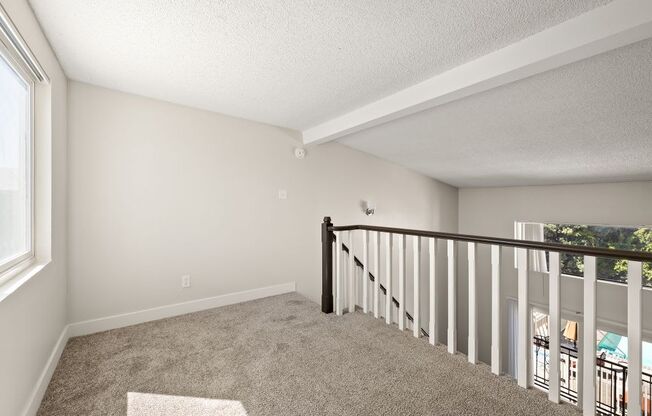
x=590 y=121
x=276 y=356
x=289 y=63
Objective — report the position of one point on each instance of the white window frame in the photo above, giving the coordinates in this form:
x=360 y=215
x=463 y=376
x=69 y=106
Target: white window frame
x=546 y=272
x=22 y=261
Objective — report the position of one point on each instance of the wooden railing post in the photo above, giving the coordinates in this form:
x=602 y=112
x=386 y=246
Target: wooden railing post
x=634 y=336
x=401 y=282
x=326 y=266
x=589 y=341
x=496 y=316
x=554 y=289
x=351 y=275
x=524 y=343
x=433 y=327
x=388 y=287
x=452 y=300
x=377 y=271
x=365 y=271
x=416 y=311
x=472 y=348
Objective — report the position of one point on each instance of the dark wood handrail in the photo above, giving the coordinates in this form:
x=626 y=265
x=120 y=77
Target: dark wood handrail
x=510 y=242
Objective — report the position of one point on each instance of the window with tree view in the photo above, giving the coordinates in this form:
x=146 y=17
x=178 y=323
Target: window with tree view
x=622 y=238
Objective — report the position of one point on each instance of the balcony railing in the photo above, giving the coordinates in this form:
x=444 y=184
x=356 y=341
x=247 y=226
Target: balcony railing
x=568 y=364
x=611 y=379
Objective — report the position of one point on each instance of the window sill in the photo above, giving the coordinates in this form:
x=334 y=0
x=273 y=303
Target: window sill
x=19 y=275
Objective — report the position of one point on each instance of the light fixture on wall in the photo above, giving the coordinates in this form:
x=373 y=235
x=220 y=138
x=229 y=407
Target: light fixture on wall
x=369 y=208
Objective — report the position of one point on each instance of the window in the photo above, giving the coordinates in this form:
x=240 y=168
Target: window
x=604 y=236
x=16 y=167
x=622 y=238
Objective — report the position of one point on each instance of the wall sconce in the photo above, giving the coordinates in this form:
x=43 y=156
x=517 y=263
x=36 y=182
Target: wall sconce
x=369 y=208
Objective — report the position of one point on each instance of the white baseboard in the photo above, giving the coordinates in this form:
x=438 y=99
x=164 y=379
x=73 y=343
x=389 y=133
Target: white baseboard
x=42 y=384
x=132 y=318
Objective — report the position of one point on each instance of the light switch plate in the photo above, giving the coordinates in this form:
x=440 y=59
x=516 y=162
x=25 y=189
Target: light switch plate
x=185 y=281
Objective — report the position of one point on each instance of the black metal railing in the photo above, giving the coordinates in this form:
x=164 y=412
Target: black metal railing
x=611 y=387
x=568 y=368
x=611 y=379
x=647 y=394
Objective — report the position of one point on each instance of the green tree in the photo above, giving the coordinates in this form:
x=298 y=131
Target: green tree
x=622 y=238
x=641 y=241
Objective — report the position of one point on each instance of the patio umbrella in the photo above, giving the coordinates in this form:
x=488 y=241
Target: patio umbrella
x=611 y=342
x=570 y=332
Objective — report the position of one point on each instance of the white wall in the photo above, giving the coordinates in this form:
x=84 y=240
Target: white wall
x=33 y=316
x=159 y=190
x=492 y=212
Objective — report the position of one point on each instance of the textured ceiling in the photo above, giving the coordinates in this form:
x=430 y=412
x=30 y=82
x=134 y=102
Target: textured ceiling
x=590 y=121
x=289 y=63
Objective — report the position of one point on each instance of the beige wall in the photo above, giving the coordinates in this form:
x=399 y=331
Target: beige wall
x=159 y=190
x=492 y=211
x=33 y=317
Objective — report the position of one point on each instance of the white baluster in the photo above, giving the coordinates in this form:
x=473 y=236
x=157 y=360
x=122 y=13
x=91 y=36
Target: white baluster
x=452 y=301
x=365 y=271
x=555 y=326
x=416 y=313
x=432 y=264
x=338 y=273
x=523 y=355
x=495 y=310
x=388 y=271
x=473 y=307
x=351 y=274
x=634 y=339
x=401 y=282
x=377 y=271
x=589 y=341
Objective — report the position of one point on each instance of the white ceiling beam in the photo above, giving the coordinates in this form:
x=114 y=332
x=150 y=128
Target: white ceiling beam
x=617 y=24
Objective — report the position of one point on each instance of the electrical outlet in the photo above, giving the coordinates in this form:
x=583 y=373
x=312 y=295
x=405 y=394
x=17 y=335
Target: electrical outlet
x=185 y=281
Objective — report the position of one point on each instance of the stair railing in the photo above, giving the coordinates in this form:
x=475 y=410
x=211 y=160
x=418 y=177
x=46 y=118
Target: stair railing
x=382 y=289
x=333 y=299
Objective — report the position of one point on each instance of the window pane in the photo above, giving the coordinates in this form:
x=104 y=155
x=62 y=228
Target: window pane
x=622 y=238
x=15 y=166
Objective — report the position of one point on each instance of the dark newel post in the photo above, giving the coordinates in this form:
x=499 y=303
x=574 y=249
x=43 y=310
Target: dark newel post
x=326 y=266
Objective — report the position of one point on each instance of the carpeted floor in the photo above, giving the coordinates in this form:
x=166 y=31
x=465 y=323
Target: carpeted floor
x=276 y=356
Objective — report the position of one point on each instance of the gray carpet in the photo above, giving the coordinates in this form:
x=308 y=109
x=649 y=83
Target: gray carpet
x=276 y=356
